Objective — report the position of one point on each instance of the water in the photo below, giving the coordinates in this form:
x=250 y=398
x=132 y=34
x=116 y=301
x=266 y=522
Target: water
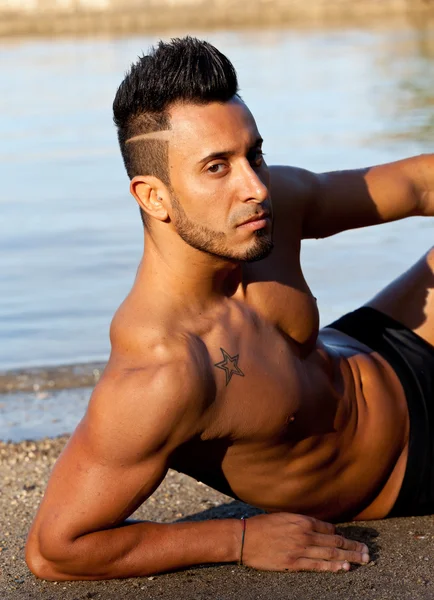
x=35 y=415
x=70 y=235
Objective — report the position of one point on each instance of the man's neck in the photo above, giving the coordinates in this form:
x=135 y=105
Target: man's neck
x=189 y=276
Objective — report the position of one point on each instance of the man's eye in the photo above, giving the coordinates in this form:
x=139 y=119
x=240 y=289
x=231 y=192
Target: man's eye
x=216 y=168
x=256 y=157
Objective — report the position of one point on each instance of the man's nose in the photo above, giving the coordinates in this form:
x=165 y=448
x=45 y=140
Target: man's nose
x=255 y=188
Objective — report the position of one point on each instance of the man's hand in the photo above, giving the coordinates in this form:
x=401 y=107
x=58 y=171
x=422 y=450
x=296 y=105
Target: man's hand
x=288 y=542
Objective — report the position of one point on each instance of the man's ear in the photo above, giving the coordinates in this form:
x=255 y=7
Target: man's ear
x=151 y=195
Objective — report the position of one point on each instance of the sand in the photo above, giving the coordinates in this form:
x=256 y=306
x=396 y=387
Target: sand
x=402 y=549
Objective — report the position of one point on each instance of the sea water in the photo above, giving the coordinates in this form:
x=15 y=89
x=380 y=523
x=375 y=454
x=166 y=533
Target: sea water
x=70 y=233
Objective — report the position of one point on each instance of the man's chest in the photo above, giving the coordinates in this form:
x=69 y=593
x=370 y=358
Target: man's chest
x=260 y=405
x=263 y=390
x=258 y=369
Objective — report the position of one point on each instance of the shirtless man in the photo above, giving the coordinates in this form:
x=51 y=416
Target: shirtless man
x=217 y=367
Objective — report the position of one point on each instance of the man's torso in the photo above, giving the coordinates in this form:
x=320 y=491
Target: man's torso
x=293 y=421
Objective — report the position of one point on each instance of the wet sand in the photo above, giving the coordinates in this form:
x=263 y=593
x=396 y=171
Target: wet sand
x=402 y=549
x=60 y=377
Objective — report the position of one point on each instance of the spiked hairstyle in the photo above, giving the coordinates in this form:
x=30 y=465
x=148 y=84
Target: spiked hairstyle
x=183 y=70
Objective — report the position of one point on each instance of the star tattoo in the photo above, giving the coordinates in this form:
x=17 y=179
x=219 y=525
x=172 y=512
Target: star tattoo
x=229 y=365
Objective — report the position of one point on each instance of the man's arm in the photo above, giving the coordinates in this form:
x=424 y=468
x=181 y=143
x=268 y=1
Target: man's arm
x=341 y=200
x=117 y=457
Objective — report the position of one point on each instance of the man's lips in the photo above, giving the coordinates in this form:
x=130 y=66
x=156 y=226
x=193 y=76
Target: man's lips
x=256 y=221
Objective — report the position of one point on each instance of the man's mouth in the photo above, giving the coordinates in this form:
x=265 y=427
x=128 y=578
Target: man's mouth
x=256 y=221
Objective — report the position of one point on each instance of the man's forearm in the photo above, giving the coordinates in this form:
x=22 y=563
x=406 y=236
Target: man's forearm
x=139 y=549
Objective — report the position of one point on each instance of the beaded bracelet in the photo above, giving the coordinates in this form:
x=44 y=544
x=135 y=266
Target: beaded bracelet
x=244 y=520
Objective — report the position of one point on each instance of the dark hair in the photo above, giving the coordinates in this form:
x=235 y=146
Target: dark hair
x=183 y=70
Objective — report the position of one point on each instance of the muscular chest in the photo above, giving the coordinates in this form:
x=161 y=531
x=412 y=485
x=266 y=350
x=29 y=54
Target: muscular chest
x=263 y=399
x=260 y=380
x=266 y=388
x=257 y=352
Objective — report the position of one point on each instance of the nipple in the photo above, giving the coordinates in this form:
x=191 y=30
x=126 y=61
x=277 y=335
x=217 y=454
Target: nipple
x=291 y=419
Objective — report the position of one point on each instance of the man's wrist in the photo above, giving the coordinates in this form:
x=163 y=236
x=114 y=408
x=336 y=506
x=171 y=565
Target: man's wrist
x=232 y=540
x=243 y=536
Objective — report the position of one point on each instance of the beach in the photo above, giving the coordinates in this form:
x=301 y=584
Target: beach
x=402 y=550
x=327 y=95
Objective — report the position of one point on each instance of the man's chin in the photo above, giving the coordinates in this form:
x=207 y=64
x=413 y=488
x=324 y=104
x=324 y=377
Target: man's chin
x=259 y=253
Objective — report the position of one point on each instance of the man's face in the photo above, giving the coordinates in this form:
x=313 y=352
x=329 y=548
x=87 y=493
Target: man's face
x=219 y=181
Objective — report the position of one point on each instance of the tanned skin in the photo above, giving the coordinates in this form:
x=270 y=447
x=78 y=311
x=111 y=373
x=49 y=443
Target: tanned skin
x=218 y=370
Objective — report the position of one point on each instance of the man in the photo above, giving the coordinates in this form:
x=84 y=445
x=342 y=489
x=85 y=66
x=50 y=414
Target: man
x=217 y=368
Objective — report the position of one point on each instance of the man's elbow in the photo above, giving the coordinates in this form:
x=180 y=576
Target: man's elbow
x=45 y=565
x=39 y=566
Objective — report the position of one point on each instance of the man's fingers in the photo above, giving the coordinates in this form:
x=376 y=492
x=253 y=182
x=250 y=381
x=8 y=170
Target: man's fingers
x=308 y=564
x=299 y=543
x=338 y=541
x=335 y=554
x=322 y=526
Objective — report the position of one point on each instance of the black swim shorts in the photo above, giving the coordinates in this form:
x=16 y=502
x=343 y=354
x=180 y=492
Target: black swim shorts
x=412 y=359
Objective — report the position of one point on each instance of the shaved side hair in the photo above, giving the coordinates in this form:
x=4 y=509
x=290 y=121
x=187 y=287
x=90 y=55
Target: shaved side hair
x=183 y=70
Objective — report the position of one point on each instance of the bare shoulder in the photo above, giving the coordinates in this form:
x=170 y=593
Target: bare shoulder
x=292 y=191
x=157 y=388
x=292 y=184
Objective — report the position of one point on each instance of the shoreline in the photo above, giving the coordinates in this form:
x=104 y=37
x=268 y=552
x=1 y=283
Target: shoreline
x=58 y=377
x=86 y=17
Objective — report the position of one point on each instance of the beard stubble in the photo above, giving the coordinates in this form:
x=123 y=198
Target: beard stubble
x=213 y=242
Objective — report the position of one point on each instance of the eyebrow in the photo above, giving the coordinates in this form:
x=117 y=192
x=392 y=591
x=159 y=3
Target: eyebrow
x=258 y=142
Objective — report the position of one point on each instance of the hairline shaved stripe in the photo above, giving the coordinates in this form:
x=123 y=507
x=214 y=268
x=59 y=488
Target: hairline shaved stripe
x=152 y=135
